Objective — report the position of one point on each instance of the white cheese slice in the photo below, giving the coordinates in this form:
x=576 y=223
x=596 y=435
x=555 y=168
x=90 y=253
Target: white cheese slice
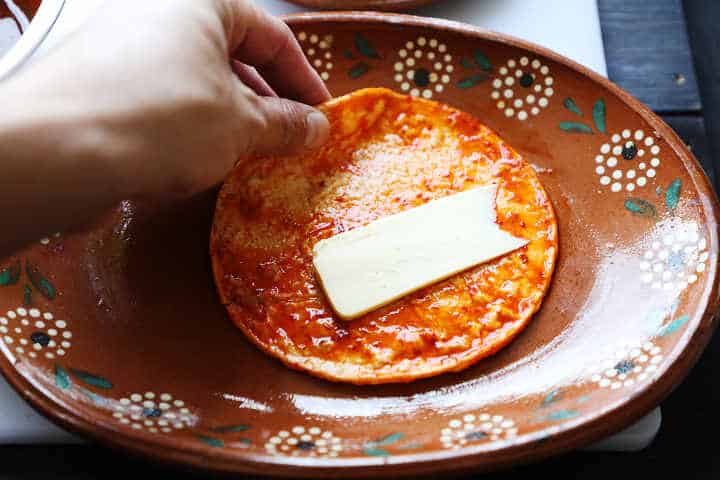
x=371 y=266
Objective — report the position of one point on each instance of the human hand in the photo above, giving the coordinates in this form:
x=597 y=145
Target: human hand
x=154 y=104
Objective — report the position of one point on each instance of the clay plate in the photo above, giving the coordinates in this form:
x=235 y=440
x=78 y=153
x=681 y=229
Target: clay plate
x=117 y=332
x=381 y=5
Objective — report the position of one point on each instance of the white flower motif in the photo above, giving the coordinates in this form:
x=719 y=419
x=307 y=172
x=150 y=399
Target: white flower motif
x=676 y=261
x=32 y=332
x=307 y=442
x=154 y=413
x=523 y=88
x=629 y=367
x=474 y=428
x=629 y=161
x=318 y=52
x=425 y=67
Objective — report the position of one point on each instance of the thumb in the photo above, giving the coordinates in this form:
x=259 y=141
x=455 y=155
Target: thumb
x=288 y=127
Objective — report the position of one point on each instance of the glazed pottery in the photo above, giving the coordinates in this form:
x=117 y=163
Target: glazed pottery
x=116 y=331
x=381 y=5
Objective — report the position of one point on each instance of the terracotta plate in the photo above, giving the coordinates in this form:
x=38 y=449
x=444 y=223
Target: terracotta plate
x=117 y=332
x=385 y=5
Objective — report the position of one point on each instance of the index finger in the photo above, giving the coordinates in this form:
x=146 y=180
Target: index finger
x=265 y=42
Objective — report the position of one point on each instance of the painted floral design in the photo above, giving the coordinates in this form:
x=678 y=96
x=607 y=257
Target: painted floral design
x=630 y=160
x=523 y=88
x=474 y=428
x=629 y=367
x=318 y=52
x=34 y=333
x=675 y=261
x=425 y=67
x=154 y=413
x=301 y=441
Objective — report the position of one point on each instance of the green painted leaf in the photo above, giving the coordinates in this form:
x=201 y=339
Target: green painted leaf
x=599 y=115
x=387 y=440
x=92 y=380
x=27 y=295
x=94 y=397
x=563 y=415
x=364 y=46
x=376 y=452
x=583 y=399
x=575 y=127
x=640 y=207
x=471 y=81
x=672 y=194
x=212 y=441
x=467 y=63
x=231 y=428
x=348 y=54
x=10 y=275
x=482 y=60
x=550 y=398
x=40 y=283
x=572 y=106
x=62 y=379
x=246 y=441
x=674 y=326
x=358 y=70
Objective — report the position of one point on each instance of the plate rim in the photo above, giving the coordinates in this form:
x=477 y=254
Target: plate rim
x=568 y=436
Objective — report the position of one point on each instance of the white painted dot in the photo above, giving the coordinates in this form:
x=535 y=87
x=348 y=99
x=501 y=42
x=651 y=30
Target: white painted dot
x=611 y=162
x=49 y=355
x=399 y=67
x=60 y=324
x=509 y=112
x=535 y=110
x=543 y=102
x=655 y=150
x=650 y=173
x=605 y=148
x=544 y=70
x=599 y=159
x=630 y=187
x=501 y=104
x=654 y=162
x=536 y=63
x=418 y=53
x=605 y=180
x=518 y=103
x=615 y=138
x=415 y=92
x=442 y=48
x=448 y=58
x=617 y=150
x=537 y=88
x=626 y=133
x=549 y=81
x=52 y=344
x=503 y=71
x=508 y=93
x=641 y=181
x=630 y=173
x=530 y=99
x=495 y=95
x=617 y=174
x=616 y=187
x=48 y=316
x=509 y=81
x=11 y=314
x=427 y=93
x=648 y=141
x=22 y=312
x=549 y=92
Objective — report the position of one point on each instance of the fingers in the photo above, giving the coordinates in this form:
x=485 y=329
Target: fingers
x=265 y=42
x=287 y=128
x=251 y=78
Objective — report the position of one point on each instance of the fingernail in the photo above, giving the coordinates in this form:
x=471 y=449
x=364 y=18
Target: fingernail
x=318 y=129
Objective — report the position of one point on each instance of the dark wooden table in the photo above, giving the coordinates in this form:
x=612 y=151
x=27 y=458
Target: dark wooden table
x=666 y=53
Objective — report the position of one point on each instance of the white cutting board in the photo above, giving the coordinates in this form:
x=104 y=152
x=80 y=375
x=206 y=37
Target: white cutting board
x=571 y=27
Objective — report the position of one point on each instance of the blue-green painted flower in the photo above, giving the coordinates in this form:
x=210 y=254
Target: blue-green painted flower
x=523 y=88
x=629 y=161
x=629 y=367
x=424 y=67
x=34 y=333
x=304 y=441
x=318 y=52
x=473 y=428
x=675 y=261
x=154 y=413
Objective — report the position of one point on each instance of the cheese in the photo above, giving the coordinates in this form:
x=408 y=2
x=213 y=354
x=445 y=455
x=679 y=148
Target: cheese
x=371 y=266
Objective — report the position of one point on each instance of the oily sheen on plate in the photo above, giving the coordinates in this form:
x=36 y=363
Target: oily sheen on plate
x=387 y=153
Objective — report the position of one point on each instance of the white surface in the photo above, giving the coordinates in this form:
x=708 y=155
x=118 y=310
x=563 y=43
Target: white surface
x=569 y=27
x=371 y=266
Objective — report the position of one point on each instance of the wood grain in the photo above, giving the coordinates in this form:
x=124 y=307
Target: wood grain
x=648 y=54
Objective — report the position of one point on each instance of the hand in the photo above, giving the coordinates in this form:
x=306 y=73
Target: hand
x=154 y=81
x=153 y=99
